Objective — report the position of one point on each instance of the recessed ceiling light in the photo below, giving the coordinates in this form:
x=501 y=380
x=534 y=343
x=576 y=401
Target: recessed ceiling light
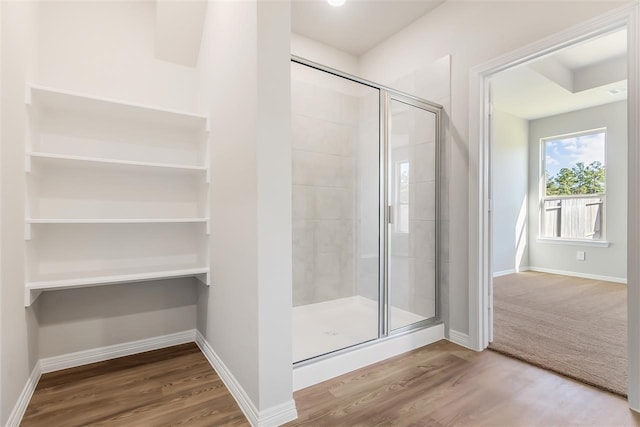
x=336 y=3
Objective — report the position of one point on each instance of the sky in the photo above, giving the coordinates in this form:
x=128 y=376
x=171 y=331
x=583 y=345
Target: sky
x=566 y=152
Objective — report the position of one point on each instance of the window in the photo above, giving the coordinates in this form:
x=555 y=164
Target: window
x=575 y=180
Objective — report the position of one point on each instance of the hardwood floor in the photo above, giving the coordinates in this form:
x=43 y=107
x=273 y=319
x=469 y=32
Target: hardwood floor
x=438 y=385
x=445 y=385
x=173 y=386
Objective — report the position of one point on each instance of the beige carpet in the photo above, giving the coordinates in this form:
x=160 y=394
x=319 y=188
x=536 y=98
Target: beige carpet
x=576 y=327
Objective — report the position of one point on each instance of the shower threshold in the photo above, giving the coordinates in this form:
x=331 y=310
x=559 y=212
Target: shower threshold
x=327 y=326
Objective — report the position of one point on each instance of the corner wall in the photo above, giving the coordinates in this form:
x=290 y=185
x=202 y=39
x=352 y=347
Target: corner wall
x=245 y=316
x=510 y=163
x=608 y=262
x=19 y=334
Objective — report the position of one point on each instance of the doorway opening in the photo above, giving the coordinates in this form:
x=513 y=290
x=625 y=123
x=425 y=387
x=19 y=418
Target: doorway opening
x=480 y=197
x=559 y=216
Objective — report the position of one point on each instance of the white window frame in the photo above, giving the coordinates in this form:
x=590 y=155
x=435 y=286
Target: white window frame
x=543 y=198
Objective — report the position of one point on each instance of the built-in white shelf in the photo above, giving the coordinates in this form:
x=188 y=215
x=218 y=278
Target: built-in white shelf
x=115 y=220
x=95 y=161
x=63 y=100
x=117 y=192
x=34 y=288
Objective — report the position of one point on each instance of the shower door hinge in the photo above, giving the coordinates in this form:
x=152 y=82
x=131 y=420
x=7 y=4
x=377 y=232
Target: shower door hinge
x=390 y=214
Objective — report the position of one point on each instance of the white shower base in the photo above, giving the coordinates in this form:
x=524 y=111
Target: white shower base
x=332 y=325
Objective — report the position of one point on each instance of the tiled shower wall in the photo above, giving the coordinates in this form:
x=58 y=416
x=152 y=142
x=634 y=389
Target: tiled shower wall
x=324 y=135
x=367 y=185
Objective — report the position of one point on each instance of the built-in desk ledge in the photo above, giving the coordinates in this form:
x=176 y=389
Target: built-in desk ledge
x=34 y=288
x=574 y=242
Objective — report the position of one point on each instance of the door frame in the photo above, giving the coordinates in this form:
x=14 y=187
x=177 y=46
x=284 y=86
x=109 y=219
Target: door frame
x=480 y=269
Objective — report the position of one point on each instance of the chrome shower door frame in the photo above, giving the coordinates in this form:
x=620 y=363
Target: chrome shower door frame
x=386 y=96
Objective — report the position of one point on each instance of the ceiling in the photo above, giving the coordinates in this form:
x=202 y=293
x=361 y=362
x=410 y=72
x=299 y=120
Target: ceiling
x=358 y=25
x=596 y=50
x=586 y=75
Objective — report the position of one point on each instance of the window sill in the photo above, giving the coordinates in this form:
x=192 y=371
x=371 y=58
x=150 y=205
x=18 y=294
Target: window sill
x=574 y=242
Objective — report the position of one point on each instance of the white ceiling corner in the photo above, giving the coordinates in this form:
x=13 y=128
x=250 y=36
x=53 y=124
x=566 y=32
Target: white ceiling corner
x=358 y=25
x=575 y=78
x=179 y=27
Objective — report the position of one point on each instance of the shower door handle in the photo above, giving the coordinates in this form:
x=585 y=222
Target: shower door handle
x=390 y=214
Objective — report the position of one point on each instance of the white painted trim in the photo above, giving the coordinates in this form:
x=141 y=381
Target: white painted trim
x=479 y=178
x=573 y=242
x=342 y=363
x=278 y=415
x=79 y=358
x=15 y=418
x=633 y=207
x=235 y=388
x=460 y=338
x=581 y=275
x=562 y=273
x=273 y=416
x=504 y=273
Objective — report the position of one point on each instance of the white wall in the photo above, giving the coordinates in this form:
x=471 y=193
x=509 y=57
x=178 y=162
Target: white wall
x=82 y=319
x=107 y=49
x=472 y=33
x=19 y=334
x=246 y=314
x=510 y=161
x=608 y=262
x=323 y=54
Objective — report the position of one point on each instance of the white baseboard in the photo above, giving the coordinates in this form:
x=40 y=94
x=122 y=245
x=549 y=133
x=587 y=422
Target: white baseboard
x=511 y=271
x=324 y=369
x=278 y=415
x=274 y=416
x=581 y=275
x=79 y=358
x=504 y=273
x=15 y=418
x=460 y=339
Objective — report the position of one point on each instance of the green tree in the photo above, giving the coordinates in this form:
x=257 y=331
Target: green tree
x=580 y=179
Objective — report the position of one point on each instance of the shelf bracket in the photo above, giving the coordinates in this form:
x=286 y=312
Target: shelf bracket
x=30 y=295
x=203 y=278
x=27 y=95
x=27 y=231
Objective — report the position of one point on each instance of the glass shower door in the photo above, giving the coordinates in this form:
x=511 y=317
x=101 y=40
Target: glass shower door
x=412 y=207
x=335 y=153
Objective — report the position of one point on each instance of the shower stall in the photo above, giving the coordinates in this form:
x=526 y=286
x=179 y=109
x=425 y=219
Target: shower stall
x=365 y=211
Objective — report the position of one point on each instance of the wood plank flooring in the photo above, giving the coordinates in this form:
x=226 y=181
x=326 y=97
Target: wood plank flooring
x=438 y=385
x=446 y=385
x=173 y=386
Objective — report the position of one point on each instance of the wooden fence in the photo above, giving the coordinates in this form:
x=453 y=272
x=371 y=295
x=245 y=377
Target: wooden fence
x=573 y=217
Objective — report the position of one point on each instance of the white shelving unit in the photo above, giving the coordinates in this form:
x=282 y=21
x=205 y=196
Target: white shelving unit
x=116 y=192
x=98 y=162
x=114 y=220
